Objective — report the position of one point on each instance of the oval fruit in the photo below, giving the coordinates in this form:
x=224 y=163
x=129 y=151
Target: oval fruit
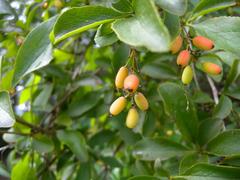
x=187 y=75
x=141 y=101
x=212 y=68
x=203 y=43
x=132 y=118
x=183 y=58
x=176 y=44
x=121 y=75
x=131 y=83
x=118 y=105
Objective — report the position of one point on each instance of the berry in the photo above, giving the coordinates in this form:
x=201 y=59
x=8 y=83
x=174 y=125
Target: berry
x=187 y=75
x=141 y=101
x=118 y=105
x=131 y=83
x=176 y=44
x=203 y=43
x=132 y=118
x=121 y=75
x=211 y=68
x=183 y=58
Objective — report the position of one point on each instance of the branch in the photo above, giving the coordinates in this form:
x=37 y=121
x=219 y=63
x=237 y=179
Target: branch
x=214 y=89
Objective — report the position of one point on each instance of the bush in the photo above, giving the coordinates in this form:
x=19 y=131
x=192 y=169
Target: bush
x=176 y=114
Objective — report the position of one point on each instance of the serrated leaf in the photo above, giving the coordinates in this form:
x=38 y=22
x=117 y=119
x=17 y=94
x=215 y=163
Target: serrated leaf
x=145 y=29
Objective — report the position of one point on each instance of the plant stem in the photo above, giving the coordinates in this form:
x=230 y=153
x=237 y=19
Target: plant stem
x=214 y=89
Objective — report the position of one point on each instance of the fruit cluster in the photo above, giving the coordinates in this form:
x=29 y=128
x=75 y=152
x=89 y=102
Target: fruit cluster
x=184 y=57
x=129 y=82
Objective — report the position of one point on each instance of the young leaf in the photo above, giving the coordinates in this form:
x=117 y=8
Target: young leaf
x=36 y=51
x=7 y=118
x=225 y=144
x=151 y=149
x=224 y=37
x=145 y=29
x=77 y=20
x=177 y=7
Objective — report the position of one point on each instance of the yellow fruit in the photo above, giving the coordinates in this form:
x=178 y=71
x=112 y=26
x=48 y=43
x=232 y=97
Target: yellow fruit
x=176 y=44
x=121 y=75
x=131 y=83
x=132 y=118
x=203 y=43
x=141 y=101
x=118 y=105
x=187 y=75
x=183 y=58
x=58 y=4
x=212 y=68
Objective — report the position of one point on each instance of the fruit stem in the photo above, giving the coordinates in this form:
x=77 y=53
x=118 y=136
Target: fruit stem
x=214 y=89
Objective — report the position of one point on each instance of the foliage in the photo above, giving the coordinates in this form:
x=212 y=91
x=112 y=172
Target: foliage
x=58 y=62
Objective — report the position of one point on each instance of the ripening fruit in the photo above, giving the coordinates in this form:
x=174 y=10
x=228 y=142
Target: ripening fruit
x=45 y=5
x=118 y=105
x=132 y=118
x=121 y=75
x=183 y=58
x=211 y=68
x=141 y=101
x=203 y=43
x=58 y=4
x=131 y=83
x=176 y=44
x=187 y=75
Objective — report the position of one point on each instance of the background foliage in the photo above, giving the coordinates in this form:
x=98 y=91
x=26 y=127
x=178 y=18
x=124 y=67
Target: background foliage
x=58 y=61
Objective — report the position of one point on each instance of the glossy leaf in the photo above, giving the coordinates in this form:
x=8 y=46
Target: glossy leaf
x=177 y=7
x=77 y=20
x=181 y=108
x=123 y=6
x=224 y=37
x=5 y=9
x=36 y=51
x=144 y=178
x=151 y=149
x=206 y=6
x=75 y=141
x=7 y=118
x=210 y=172
x=145 y=29
x=225 y=144
x=233 y=74
x=42 y=144
x=224 y=108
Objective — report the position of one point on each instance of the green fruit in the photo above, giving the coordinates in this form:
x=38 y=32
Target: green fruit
x=187 y=75
x=141 y=101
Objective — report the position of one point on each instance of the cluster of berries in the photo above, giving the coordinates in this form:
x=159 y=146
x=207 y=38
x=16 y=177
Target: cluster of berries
x=129 y=82
x=184 y=57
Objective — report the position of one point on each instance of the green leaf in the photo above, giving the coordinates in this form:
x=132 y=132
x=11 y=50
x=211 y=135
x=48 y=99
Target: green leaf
x=206 y=6
x=173 y=24
x=225 y=144
x=77 y=20
x=7 y=118
x=5 y=9
x=181 y=108
x=145 y=29
x=123 y=6
x=225 y=37
x=36 y=51
x=42 y=144
x=233 y=74
x=177 y=7
x=190 y=159
x=23 y=170
x=232 y=161
x=144 y=178
x=80 y=106
x=210 y=172
x=208 y=129
x=224 y=108
x=75 y=141
x=105 y=35
x=151 y=149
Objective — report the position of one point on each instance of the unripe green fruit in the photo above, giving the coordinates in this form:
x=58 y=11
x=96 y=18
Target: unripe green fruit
x=121 y=75
x=211 y=68
x=141 y=101
x=183 y=58
x=132 y=118
x=176 y=44
x=187 y=75
x=203 y=43
x=118 y=105
x=131 y=83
